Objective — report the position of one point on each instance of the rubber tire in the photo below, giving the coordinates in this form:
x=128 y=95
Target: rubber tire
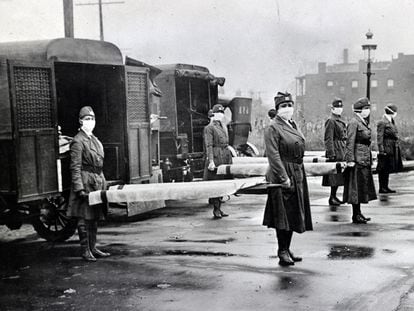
x=64 y=227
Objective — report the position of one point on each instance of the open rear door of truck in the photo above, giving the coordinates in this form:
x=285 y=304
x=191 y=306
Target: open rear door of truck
x=138 y=124
x=33 y=103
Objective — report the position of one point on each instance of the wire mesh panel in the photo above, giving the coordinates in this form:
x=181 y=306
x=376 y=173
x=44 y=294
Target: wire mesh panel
x=33 y=97
x=137 y=95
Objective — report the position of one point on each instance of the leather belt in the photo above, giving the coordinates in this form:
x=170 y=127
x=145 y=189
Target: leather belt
x=92 y=169
x=296 y=161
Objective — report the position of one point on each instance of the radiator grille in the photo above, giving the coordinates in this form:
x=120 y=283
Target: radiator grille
x=137 y=95
x=33 y=97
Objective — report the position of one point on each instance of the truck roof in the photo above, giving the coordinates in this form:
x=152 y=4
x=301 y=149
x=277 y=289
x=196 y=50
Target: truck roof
x=63 y=50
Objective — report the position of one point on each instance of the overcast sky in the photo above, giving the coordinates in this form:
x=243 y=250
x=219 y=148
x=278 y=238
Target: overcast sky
x=258 y=45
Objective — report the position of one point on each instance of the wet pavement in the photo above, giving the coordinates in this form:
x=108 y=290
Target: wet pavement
x=179 y=258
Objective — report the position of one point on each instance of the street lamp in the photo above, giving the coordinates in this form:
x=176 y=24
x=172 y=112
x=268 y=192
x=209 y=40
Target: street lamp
x=367 y=49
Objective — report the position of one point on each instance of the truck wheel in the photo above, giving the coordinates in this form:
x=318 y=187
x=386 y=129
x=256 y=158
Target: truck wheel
x=51 y=221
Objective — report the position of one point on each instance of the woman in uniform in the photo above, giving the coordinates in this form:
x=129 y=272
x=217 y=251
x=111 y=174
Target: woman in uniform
x=335 y=140
x=359 y=184
x=389 y=154
x=216 y=143
x=287 y=207
x=86 y=165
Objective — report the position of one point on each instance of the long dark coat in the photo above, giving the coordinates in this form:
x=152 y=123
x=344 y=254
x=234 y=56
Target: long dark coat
x=359 y=184
x=387 y=139
x=335 y=142
x=216 y=141
x=286 y=209
x=86 y=162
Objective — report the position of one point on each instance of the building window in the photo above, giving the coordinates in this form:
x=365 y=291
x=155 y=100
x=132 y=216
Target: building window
x=374 y=83
x=354 y=84
x=390 y=83
x=329 y=83
x=342 y=89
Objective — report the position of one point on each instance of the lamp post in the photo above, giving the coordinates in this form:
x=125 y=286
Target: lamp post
x=368 y=47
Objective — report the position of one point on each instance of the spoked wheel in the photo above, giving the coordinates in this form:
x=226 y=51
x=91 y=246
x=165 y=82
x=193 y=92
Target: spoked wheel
x=52 y=222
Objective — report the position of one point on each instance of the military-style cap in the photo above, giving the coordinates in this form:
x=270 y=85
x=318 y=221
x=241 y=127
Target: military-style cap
x=281 y=98
x=361 y=103
x=390 y=109
x=337 y=103
x=218 y=108
x=86 y=111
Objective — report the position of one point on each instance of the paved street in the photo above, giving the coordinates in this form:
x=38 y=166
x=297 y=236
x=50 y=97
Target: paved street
x=179 y=258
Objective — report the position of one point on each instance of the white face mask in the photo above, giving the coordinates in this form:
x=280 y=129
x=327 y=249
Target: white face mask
x=394 y=115
x=218 y=116
x=88 y=125
x=365 y=113
x=337 y=110
x=285 y=113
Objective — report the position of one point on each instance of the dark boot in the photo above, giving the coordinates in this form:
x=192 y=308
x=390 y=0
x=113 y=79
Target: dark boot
x=223 y=214
x=333 y=200
x=386 y=181
x=283 y=252
x=216 y=208
x=93 y=231
x=357 y=217
x=84 y=243
x=289 y=240
x=382 y=179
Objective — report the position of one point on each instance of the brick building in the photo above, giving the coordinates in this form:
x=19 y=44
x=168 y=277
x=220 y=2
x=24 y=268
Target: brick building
x=392 y=82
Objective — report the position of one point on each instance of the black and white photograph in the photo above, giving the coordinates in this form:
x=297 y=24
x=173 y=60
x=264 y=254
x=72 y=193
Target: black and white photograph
x=206 y=155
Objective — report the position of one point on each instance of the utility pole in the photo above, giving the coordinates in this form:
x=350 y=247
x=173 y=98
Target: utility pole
x=68 y=18
x=100 y=4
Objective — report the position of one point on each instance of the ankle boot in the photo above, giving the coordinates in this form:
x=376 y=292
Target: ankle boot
x=283 y=237
x=216 y=208
x=284 y=258
x=289 y=236
x=84 y=243
x=93 y=231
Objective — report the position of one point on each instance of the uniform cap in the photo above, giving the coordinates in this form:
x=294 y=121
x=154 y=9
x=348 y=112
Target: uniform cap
x=218 y=108
x=337 y=103
x=361 y=103
x=391 y=108
x=86 y=111
x=281 y=98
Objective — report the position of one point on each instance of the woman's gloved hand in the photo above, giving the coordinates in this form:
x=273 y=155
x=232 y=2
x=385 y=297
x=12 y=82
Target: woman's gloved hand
x=286 y=184
x=83 y=194
x=211 y=166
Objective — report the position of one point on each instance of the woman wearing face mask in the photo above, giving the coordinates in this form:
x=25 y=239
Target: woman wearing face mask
x=287 y=207
x=86 y=165
x=389 y=155
x=335 y=140
x=359 y=184
x=216 y=141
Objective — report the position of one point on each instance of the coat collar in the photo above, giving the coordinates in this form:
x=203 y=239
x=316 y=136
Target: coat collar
x=88 y=139
x=337 y=118
x=386 y=119
x=360 y=120
x=279 y=121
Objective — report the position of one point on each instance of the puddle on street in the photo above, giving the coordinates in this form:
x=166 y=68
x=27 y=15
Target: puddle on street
x=353 y=234
x=337 y=218
x=286 y=282
x=350 y=252
x=221 y=241
x=178 y=252
x=407 y=227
